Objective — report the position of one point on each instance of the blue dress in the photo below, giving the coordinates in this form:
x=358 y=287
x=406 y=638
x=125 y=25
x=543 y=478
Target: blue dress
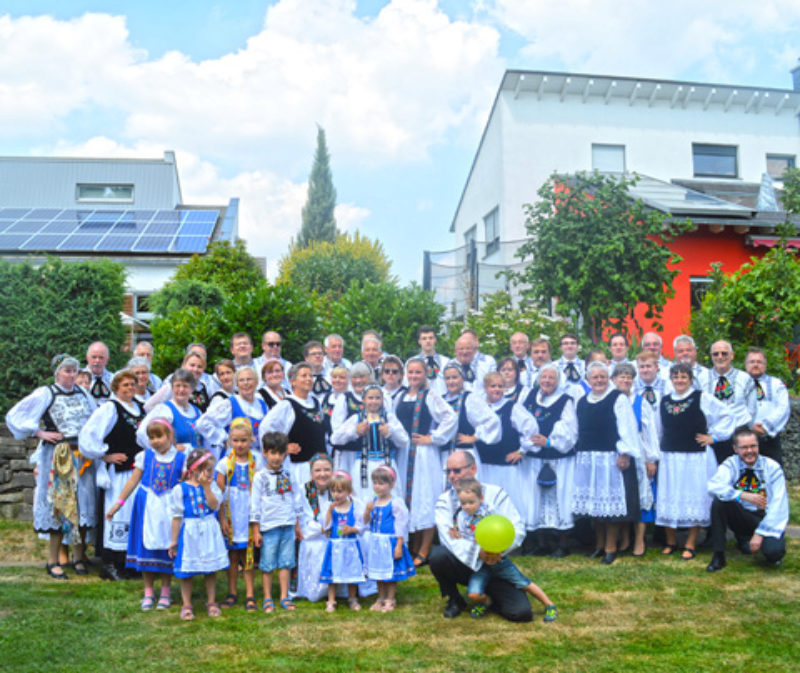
x=343 y=562
x=201 y=548
x=184 y=426
x=150 y=531
x=387 y=523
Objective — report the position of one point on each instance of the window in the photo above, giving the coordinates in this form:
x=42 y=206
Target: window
x=141 y=307
x=104 y=193
x=698 y=286
x=492 y=228
x=715 y=161
x=608 y=158
x=778 y=164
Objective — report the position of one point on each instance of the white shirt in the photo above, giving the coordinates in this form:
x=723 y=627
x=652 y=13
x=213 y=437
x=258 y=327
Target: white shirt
x=270 y=508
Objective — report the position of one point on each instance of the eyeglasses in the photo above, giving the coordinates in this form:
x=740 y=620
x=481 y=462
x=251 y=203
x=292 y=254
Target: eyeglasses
x=455 y=470
x=272 y=344
x=719 y=354
x=391 y=371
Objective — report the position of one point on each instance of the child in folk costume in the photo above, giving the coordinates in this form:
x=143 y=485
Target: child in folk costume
x=343 y=562
x=378 y=431
x=235 y=473
x=387 y=557
x=110 y=436
x=275 y=508
x=156 y=471
x=197 y=546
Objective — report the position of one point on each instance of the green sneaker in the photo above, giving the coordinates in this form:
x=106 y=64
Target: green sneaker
x=550 y=613
x=479 y=611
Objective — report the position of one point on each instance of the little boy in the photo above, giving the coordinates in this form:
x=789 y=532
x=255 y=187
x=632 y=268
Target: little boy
x=471 y=511
x=275 y=506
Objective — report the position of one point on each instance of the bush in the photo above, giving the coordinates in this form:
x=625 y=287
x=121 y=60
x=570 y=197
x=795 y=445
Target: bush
x=178 y=294
x=55 y=308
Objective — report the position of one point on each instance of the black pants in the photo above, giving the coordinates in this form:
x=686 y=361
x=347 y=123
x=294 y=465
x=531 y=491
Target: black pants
x=771 y=448
x=743 y=523
x=510 y=602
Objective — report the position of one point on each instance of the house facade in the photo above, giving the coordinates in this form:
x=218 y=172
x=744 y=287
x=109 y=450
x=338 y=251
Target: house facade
x=701 y=150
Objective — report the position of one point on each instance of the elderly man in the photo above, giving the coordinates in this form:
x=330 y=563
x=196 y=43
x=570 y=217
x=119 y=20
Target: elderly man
x=472 y=368
x=485 y=358
x=730 y=386
x=749 y=498
x=519 y=345
x=334 y=353
x=144 y=349
x=96 y=360
x=372 y=352
x=453 y=562
x=271 y=344
x=686 y=353
x=768 y=401
x=652 y=341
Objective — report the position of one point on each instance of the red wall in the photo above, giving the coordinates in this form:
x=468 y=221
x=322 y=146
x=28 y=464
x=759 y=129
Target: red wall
x=699 y=249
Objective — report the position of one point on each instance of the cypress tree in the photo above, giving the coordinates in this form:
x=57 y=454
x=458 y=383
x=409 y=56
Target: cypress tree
x=318 y=221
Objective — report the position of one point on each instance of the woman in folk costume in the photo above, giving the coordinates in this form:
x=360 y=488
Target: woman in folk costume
x=691 y=421
x=607 y=450
x=273 y=375
x=214 y=423
x=548 y=469
x=340 y=379
x=299 y=417
x=513 y=388
x=225 y=371
x=234 y=474
x=379 y=432
x=179 y=411
x=110 y=436
x=392 y=372
x=430 y=424
x=140 y=368
x=344 y=455
x=64 y=506
x=203 y=384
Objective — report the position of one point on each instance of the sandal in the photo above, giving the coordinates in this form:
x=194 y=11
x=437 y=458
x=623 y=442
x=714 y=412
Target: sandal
x=213 y=609
x=164 y=602
x=330 y=606
x=147 y=603
x=250 y=604
x=268 y=605
x=688 y=554
x=420 y=560
x=389 y=605
x=353 y=604
x=187 y=613
x=80 y=568
x=287 y=604
x=669 y=549
x=56 y=576
x=377 y=606
x=230 y=601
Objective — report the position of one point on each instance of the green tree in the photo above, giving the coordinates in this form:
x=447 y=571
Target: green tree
x=598 y=252
x=178 y=294
x=318 y=220
x=329 y=268
x=55 y=308
x=396 y=313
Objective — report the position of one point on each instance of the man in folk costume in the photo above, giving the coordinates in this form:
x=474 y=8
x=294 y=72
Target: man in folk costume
x=769 y=405
x=730 y=386
x=686 y=353
x=648 y=383
x=144 y=349
x=334 y=353
x=473 y=369
x=519 y=345
x=96 y=360
x=313 y=354
x=434 y=362
x=652 y=342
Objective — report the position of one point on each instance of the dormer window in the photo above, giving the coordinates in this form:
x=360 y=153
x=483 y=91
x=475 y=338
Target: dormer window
x=103 y=193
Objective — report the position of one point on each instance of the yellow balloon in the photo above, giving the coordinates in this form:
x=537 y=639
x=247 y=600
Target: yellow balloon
x=494 y=533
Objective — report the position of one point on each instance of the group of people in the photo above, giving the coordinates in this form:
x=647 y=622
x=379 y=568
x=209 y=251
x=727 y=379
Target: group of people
x=340 y=476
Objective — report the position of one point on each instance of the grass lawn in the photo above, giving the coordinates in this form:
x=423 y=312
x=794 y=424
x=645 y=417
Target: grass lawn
x=656 y=614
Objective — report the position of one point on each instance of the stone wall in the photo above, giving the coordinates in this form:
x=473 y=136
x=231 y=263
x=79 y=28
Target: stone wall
x=17 y=482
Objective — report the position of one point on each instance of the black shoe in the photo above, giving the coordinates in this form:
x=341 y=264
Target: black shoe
x=560 y=552
x=717 y=562
x=455 y=606
x=597 y=553
x=744 y=546
x=609 y=558
x=50 y=567
x=109 y=572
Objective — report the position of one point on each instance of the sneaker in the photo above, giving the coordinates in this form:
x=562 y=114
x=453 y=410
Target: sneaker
x=550 y=613
x=479 y=611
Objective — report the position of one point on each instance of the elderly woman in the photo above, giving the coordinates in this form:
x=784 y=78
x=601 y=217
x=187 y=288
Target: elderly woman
x=691 y=421
x=110 y=436
x=214 y=423
x=623 y=377
x=273 y=375
x=64 y=507
x=548 y=469
x=300 y=417
x=179 y=411
x=350 y=404
x=430 y=424
x=605 y=461
x=140 y=368
x=203 y=387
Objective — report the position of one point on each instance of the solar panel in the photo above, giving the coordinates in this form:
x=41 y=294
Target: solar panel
x=117 y=243
x=12 y=241
x=80 y=242
x=190 y=244
x=209 y=216
x=71 y=215
x=13 y=213
x=59 y=227
x=153 y=244
x=167 y=216
x=43 y=242
x=197 y=228
x=43 y=214
x=163 y=228
x=29 y=226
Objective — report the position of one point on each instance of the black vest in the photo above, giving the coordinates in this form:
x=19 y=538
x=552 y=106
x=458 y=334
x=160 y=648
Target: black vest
x=597 y=424
x=495 y=454
x=547 y=417
x=122 y=438
x=464 y=426
x=681 y=421
x=405 y=414
x=308 y=431
x=67 y=412
x=353 y=406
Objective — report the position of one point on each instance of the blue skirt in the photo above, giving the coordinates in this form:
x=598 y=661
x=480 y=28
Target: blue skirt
x=138 y=556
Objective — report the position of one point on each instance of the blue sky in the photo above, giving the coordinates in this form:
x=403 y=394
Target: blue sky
x=403 y=89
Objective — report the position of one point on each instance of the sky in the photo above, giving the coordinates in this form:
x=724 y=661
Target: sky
x=403 y=89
